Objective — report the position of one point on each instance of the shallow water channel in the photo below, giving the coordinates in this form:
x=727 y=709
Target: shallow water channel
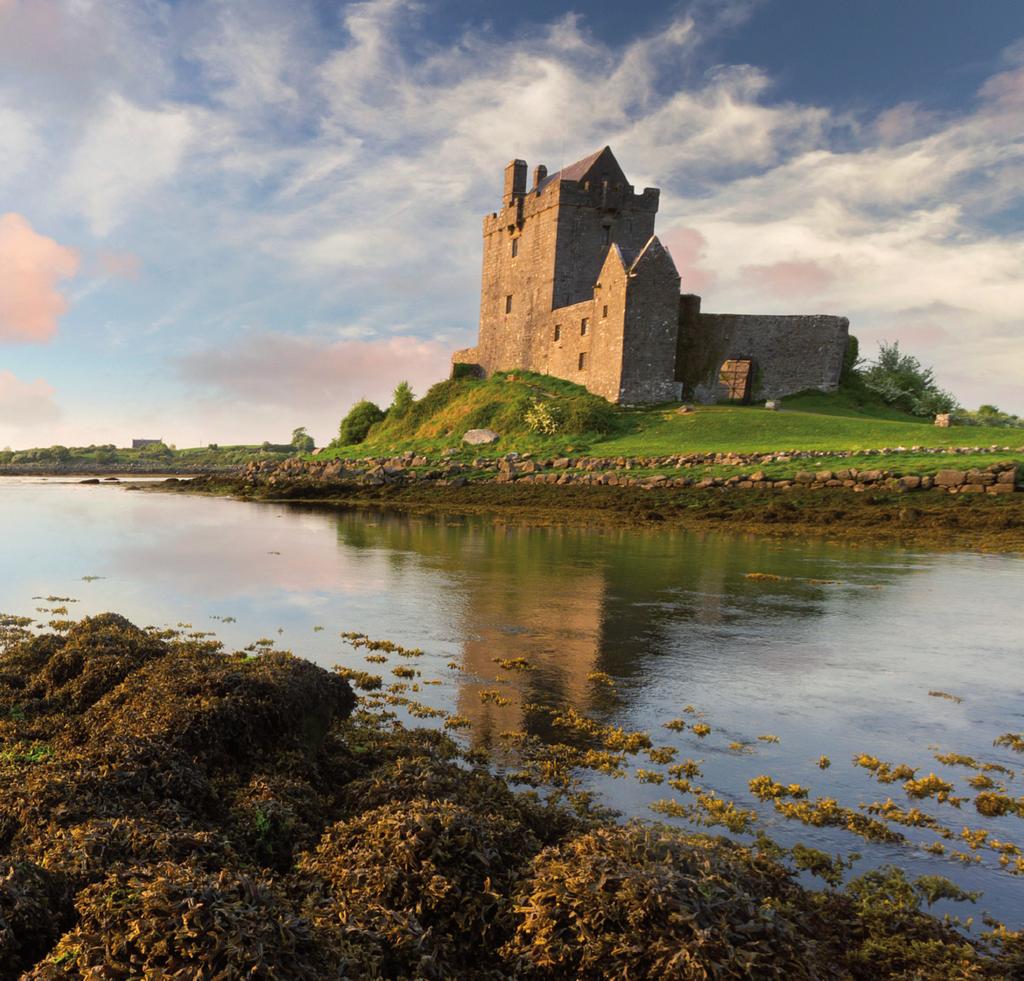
x=836 y=657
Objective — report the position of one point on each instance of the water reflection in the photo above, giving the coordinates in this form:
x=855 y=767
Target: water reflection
x=836 y=655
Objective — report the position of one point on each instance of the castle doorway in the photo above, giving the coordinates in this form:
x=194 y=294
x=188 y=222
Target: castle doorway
x=736 y=377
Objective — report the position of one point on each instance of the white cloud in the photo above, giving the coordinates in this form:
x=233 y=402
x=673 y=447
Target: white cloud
x=351 y=180
x=126 y=154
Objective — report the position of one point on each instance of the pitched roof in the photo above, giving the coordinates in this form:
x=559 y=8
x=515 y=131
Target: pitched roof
x=580 y=169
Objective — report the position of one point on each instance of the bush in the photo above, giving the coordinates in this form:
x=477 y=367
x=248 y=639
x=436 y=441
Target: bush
x=541 y=418
x=576 y=414
x=901 y=381
x=989 y=415
x=356 y=425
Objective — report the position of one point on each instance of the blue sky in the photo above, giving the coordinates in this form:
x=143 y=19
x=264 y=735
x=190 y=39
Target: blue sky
x=221 y=220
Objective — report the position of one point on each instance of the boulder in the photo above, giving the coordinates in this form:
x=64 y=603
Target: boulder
x=950 y=478
x=481 y=437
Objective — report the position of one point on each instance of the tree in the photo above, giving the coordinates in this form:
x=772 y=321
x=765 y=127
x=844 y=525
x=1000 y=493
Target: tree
x=302 y=442
x=356 y=425
x=402 y=400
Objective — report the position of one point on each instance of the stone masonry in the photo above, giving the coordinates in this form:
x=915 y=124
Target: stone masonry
x=577 y=285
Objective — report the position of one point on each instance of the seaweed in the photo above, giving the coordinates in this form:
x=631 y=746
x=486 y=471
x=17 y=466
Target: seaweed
x=168 y=809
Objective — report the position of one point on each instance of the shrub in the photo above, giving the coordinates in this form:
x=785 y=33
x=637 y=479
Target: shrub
x=901 y=381
x=356 y=425
x=588 y=414
x=540 y=418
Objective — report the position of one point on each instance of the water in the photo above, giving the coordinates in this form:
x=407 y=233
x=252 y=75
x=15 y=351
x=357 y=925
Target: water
x=836 y=658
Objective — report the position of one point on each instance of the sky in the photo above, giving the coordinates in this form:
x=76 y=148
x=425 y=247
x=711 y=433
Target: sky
x=222 y=219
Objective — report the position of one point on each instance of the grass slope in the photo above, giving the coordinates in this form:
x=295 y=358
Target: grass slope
x=847 y=420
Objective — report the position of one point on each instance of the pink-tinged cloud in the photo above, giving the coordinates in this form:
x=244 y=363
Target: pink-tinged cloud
x=311 y=374
x=119 y=265
x=687 y=247
x=788 y=279
x=31 y=267
x=24 y=405
x=921 y=337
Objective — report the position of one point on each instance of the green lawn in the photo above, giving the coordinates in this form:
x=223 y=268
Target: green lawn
x=800 y=425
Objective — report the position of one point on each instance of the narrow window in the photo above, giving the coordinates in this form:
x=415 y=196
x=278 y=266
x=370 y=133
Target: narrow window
x=515 y=247
x=584 y=324
x=508 y=303
x=607 y=235
x=583 y=360
x=604 y=312
x=558 y=332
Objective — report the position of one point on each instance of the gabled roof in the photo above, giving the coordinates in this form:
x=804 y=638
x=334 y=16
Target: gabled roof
x=653 y=251
x=632 y=259
x=602 y=160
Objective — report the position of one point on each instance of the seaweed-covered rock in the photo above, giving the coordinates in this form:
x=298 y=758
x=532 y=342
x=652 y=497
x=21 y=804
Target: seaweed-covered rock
x=85 y=853
x=35 y=908
x=274 y=815
x=420 y=777
x=639 y=902
x=173 y=921
x=431 y=879
x=221 y=709
x=96 y=655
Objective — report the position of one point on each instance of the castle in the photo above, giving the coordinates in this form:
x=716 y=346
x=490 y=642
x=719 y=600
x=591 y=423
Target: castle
x=576 y=284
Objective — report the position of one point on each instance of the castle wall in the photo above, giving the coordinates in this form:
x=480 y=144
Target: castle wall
x=790 y=353
x=651 y=330
x=589 y=221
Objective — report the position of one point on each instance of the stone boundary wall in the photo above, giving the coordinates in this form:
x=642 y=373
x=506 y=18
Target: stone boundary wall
x=409 y=469
x=790 y=353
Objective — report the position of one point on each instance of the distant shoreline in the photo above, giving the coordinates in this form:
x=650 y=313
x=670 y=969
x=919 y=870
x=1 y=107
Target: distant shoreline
x=109 y=470
x=930 y=519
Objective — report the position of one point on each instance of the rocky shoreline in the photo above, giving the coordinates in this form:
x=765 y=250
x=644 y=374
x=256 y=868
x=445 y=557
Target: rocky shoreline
x=642 y=472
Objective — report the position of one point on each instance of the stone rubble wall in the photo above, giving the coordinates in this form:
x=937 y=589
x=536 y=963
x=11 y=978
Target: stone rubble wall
x=409 y=469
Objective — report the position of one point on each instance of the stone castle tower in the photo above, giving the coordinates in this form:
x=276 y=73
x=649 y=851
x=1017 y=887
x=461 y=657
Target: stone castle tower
x=577 y=285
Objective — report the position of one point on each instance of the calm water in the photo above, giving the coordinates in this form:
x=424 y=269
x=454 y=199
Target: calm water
x=833 y=668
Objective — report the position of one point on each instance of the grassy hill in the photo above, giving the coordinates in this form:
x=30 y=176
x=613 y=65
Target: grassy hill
x=584 y=423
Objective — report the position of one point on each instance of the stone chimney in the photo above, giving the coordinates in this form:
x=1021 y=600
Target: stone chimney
x=515 y=181
x=539 y=173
